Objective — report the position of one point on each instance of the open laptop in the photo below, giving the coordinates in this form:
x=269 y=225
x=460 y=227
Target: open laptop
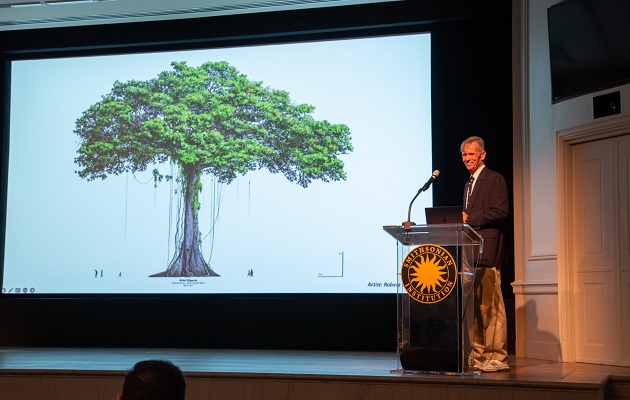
x=443 y=215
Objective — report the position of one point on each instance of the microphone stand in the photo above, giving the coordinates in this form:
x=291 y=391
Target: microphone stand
x=408 y=224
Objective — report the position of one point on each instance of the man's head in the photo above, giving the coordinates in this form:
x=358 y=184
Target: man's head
x=473 y=153
x=154 y=380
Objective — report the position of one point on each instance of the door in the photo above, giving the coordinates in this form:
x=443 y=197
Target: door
x=599 y=256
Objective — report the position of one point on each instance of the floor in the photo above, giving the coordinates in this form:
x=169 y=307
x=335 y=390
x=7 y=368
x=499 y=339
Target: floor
x=286 y=374
x=266 y=361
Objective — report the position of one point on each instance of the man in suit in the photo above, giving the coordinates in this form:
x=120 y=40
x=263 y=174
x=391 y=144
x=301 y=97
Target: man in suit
x=486 y=208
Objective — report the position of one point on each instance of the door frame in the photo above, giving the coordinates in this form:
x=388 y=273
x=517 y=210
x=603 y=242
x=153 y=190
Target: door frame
x=565 y=139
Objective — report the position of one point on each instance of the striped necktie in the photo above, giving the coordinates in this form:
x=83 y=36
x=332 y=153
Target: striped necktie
x=470 y=188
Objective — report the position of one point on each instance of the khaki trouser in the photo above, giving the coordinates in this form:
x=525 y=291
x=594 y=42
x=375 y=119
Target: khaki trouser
x=490 y=326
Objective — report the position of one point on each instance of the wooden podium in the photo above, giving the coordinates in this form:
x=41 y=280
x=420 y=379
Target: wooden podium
x=435 y=296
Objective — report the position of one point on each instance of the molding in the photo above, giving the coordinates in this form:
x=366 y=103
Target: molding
x=543 y=258
x=535 y=288
x=595 y=131
x=521 y=136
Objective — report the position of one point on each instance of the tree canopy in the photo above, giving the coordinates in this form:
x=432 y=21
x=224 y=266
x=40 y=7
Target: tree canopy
x=211 y=118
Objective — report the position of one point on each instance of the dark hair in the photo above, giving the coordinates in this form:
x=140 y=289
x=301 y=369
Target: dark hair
x=154 y=380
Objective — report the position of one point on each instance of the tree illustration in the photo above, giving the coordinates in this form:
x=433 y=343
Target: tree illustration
x=207 y=120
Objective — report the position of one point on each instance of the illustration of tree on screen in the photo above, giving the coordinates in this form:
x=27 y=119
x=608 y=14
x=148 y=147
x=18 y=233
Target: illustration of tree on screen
x=207 y=120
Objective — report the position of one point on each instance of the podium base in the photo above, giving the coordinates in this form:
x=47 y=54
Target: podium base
x=431 y=360
x=403 y=372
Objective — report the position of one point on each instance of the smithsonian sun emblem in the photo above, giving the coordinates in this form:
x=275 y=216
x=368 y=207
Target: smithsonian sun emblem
x=429 y=273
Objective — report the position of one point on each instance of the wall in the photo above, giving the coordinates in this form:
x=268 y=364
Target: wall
x=542 y=313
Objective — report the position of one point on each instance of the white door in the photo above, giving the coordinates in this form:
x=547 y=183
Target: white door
x=600 y=264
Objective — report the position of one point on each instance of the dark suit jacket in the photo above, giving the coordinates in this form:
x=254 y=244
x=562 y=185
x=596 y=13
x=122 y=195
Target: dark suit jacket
x=488 y=209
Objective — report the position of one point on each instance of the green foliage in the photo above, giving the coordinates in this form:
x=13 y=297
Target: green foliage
x=210 y=119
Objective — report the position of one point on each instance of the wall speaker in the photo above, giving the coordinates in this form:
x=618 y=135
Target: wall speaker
x=607 y=104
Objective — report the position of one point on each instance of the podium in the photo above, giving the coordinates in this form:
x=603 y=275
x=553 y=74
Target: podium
x=435 y=300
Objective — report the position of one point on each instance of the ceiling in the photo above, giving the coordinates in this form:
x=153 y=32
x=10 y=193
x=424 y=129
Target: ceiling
x=33 y=14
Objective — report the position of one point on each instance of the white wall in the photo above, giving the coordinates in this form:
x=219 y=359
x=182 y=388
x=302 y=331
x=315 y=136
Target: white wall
x=542 y=317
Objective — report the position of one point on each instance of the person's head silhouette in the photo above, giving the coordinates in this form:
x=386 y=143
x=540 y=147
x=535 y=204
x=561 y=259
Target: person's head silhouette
x=154 y=380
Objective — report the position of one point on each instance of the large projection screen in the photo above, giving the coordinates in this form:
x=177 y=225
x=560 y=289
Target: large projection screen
x=261 y=233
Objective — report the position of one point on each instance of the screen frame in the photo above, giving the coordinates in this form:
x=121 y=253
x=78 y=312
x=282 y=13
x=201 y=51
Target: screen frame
x=306 y=321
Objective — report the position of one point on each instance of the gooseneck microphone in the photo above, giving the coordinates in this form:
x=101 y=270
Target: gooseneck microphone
x=407 y=224
x=435 y=174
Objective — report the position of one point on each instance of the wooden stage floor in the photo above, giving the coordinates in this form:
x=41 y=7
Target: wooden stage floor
x=70 y=373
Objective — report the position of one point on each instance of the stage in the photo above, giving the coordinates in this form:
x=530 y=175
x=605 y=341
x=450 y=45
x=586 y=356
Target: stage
x=97 y=374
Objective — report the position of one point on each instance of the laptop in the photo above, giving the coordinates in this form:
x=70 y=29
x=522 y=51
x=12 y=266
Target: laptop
x=444 y=215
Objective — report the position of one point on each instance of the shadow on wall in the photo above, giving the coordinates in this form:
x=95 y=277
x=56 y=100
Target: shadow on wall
x=539 y=343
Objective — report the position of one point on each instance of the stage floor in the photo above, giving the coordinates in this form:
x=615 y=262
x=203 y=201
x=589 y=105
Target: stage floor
x=209 y=371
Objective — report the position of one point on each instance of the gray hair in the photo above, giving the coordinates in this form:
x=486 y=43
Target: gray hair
x=473 y=139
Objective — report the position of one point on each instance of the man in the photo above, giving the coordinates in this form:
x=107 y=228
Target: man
x=154 y=380
x=486 y=207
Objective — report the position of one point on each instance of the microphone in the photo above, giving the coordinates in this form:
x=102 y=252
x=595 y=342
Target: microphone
x=435 y=174
x=407 y=224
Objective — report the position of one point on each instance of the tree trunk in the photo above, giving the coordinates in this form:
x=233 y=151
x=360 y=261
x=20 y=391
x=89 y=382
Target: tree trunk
x=190 y=261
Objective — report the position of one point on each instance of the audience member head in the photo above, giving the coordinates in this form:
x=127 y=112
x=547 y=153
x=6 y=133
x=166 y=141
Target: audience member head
x=154 y=380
